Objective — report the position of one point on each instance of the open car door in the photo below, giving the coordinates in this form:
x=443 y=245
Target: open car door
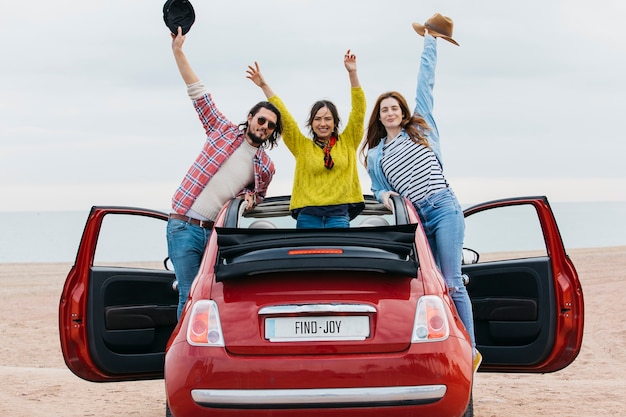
x=526 y=296
x=118 y=306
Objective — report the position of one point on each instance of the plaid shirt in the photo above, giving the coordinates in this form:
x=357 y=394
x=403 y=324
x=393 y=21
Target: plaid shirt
x=223 y=138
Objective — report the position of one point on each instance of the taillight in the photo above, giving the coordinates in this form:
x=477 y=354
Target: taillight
x=205 y=328
x=315 y=252
x=431 y=320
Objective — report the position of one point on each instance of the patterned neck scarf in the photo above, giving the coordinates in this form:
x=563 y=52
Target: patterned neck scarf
x=326 y=147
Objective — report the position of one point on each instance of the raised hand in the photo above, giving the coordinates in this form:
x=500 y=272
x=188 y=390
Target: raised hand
x=254 y=74
x=178 y=39
x=349 y=61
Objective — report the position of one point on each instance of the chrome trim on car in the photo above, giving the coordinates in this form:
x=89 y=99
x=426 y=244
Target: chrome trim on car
x=317 y=308
x=322 y=397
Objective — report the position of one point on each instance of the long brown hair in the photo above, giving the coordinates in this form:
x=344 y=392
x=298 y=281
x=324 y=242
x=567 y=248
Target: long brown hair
x=413 y=124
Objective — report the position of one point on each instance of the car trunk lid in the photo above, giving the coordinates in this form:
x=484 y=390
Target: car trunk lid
x=316 y=313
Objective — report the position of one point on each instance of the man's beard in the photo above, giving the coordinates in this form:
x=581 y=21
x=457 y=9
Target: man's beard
x=255 y=139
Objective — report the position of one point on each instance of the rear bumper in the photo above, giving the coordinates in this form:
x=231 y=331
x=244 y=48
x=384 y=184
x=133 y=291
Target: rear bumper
x=429 y=378
x=329 y=397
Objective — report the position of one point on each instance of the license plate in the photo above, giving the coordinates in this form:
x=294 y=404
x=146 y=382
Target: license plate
x=298 y=329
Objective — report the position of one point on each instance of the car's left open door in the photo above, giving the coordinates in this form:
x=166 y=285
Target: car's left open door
x=118 y=306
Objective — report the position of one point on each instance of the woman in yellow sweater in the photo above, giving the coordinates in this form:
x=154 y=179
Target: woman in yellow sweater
x=326 y=188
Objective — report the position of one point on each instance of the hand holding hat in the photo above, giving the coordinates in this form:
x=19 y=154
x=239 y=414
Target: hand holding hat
x=438 y=26
x=178 y=13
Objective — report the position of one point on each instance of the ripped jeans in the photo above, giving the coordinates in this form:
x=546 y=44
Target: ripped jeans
x=444 y=224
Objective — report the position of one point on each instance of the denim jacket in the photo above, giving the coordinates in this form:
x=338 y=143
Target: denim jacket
x=423 y=107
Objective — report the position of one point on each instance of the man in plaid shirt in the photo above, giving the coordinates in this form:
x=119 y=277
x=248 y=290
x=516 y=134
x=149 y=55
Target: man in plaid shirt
x=232 y=163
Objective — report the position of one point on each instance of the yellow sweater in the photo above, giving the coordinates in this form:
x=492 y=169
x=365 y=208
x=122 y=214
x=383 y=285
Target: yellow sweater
x=313 y=184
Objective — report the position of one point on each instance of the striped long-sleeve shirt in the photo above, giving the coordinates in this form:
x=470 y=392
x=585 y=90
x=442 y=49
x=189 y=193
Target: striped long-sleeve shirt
x=413 y=170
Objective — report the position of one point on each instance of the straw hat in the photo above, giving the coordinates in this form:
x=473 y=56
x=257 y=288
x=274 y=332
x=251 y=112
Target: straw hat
x=438 y=26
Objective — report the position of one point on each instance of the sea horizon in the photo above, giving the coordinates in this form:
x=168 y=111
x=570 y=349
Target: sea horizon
x=54 y=236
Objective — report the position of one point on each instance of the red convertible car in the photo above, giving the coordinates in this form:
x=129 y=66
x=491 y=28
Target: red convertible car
x=319 y=322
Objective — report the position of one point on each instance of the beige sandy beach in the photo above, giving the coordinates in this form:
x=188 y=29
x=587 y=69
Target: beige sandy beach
x=35 y=381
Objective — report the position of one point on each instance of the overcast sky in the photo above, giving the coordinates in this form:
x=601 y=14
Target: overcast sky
x=93 y=110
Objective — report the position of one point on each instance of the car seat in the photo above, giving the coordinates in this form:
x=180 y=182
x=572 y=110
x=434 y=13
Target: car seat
x=262 y=224
x=373 y=221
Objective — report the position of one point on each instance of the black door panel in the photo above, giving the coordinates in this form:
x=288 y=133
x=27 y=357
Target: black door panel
x=132 y=315
x=513 y=310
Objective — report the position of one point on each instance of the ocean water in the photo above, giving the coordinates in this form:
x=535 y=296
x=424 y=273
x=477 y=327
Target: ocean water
x=55 y=236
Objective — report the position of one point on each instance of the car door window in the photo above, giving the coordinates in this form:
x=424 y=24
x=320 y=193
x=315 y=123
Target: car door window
x=505 y=233
x=131 y=241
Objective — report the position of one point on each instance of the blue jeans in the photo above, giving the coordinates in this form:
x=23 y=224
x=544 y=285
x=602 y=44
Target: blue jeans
x=444 y=224
x=185 y=246
x=307 y=221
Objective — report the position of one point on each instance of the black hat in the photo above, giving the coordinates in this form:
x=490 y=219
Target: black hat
x=178 y=13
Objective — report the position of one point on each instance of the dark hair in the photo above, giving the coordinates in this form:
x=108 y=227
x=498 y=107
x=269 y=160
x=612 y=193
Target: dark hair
x=413 y=124
x=333 y=110
x=273 y=138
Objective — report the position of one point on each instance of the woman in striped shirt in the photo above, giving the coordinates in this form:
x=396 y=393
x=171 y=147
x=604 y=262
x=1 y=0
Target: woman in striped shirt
x=403 y=157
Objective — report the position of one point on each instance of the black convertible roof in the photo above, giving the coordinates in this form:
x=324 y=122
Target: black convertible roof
x=247 y=252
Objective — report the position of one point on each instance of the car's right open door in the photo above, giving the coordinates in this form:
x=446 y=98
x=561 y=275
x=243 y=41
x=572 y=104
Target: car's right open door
x=526 y=296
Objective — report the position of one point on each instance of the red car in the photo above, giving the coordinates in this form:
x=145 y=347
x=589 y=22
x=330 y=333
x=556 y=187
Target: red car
x=320 y=322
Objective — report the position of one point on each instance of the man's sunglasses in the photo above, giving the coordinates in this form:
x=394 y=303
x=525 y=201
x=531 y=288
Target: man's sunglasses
x=261 y=121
